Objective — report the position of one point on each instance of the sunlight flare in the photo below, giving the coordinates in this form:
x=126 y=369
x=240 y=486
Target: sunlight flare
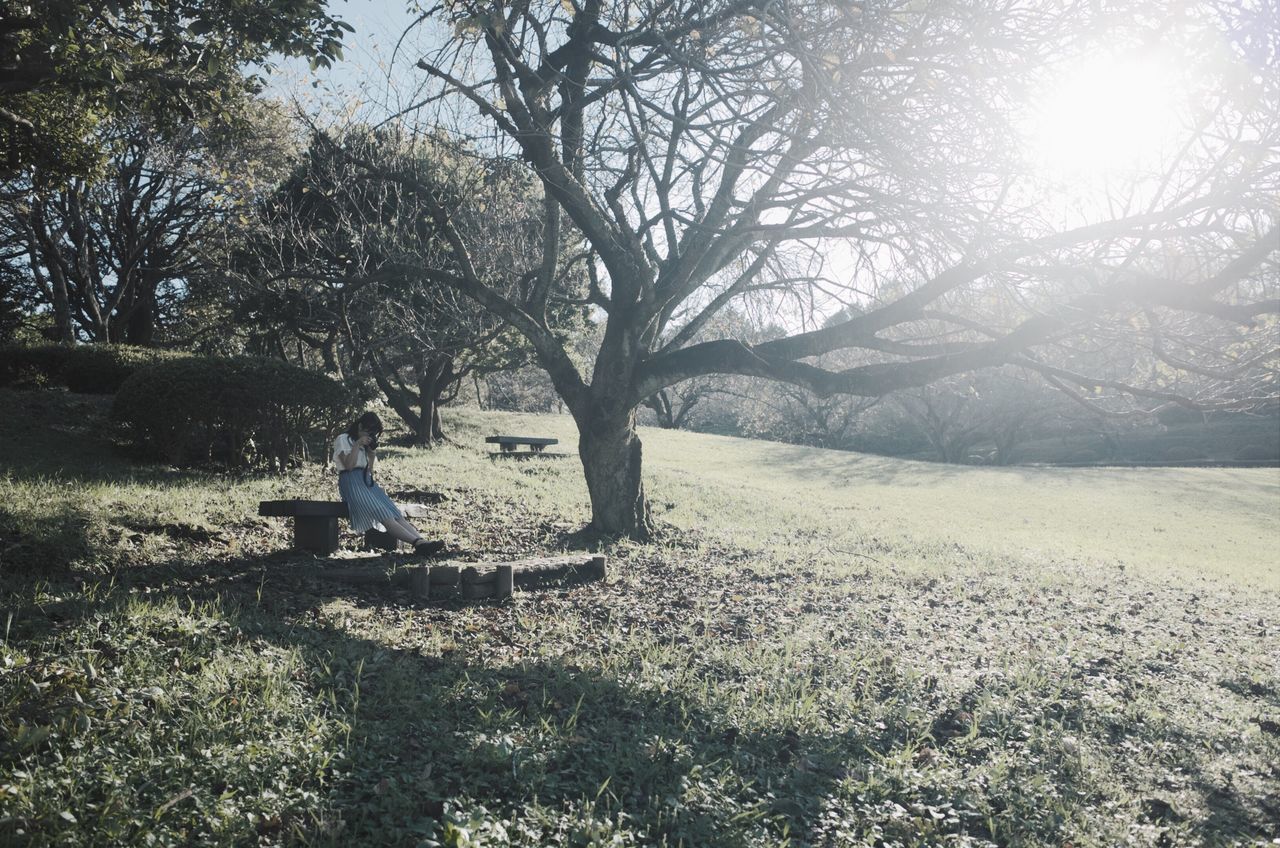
x=1108 y=116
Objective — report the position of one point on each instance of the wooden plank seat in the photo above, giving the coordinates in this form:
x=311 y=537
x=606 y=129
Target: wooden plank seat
x=508 y=444
x=315 y=523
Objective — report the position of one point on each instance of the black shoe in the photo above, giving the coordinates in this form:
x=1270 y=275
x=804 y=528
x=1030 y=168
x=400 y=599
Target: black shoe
x=426 y=549
x=376 y=540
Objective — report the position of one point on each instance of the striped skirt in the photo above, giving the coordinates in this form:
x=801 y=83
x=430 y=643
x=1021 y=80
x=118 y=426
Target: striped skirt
x=367 y=505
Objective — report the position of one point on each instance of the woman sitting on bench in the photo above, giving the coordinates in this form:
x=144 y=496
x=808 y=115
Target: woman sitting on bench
x=354 y=455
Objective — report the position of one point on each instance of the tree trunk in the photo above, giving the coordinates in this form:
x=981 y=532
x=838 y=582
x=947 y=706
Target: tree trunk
x=141 y=323
x=423 y=435
x=1007 y=440
x=937 y=441
x=400 y=401
x=43 y=251
x=610 y=452
x=957 y=448
x=433 y=380
x=660 y=403
x=329 y=351
x=61 y=307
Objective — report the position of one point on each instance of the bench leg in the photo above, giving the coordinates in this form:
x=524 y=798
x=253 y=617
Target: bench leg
x=315 y=533
x=506 y=448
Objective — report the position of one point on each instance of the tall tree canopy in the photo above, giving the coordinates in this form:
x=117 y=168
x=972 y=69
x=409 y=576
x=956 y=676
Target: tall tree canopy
x=65 y=65
x=113 y=257
x=806 y=154
x=340 y=261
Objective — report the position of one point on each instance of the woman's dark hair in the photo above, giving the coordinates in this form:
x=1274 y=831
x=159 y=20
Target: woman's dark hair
x=370 y=422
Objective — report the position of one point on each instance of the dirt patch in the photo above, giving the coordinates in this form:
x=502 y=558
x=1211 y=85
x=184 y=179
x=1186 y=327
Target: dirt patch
x=419 y=496
x=181 y=532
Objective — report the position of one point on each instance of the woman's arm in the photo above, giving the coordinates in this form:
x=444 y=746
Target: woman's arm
x=348 y=460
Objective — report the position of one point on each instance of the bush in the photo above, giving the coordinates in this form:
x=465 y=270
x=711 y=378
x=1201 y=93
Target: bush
x=236 y=412
x=90 y=369
x=1257 y=453
x=1085 y=455
x=1184 y=453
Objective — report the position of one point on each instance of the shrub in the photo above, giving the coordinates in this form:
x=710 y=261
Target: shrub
x=1257 y=453
x=91 y=369
x=237 y=412
x=1085 y=455
x=1183 y=453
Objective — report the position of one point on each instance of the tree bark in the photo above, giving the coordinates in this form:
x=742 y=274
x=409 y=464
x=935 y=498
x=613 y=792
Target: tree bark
x=433 y=380
x=329 y=351
x=140 y=328
x=660 y=403
x=610 y=452
x=1007 y=439
x=399 y=400
x=61 y=307
x=422 y=435
x=42 y=250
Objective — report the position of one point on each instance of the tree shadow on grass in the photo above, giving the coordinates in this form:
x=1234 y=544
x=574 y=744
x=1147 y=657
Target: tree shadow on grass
x=837 y=469
x=529 y=456
x=450 y=732
x=458 y=718
x=39 y=546
x=449 y=735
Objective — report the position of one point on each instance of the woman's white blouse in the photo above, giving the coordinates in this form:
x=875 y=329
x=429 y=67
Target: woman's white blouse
x=345 y=444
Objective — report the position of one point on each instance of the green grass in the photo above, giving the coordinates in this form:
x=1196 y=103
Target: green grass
x=1216 y=524
x=821 y=649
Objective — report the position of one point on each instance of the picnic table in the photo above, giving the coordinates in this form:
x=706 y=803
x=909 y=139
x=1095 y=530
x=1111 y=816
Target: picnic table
x=508 y=444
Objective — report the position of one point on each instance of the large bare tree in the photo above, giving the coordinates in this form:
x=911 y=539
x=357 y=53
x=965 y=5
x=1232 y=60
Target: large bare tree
x=803 y=155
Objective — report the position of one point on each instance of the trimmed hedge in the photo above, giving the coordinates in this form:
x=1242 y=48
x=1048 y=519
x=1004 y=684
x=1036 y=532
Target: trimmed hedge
x=89 y=368
x=235 y=412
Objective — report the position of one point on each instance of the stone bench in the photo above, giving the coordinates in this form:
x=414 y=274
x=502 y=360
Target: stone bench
x=315 y=523
x=508 y=444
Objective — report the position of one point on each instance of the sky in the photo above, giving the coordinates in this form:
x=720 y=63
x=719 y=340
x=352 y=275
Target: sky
x=1108 y=112
x=379 y=25
x=1107 y=117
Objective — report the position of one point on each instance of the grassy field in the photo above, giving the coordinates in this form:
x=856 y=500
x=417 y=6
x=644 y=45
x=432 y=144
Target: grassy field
x=821 y=649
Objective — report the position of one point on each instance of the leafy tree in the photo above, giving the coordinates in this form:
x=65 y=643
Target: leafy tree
x=1001 y=407
x=813 y=153
x=112 y=257
x=675 y=407
x=341 y=263
x=68 y=65
x=790 y=413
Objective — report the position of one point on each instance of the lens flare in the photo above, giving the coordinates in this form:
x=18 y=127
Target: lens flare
x=1108 y=116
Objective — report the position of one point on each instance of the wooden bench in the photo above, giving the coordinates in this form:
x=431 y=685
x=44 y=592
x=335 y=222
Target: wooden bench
x=508 y=444
x=315 y=523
